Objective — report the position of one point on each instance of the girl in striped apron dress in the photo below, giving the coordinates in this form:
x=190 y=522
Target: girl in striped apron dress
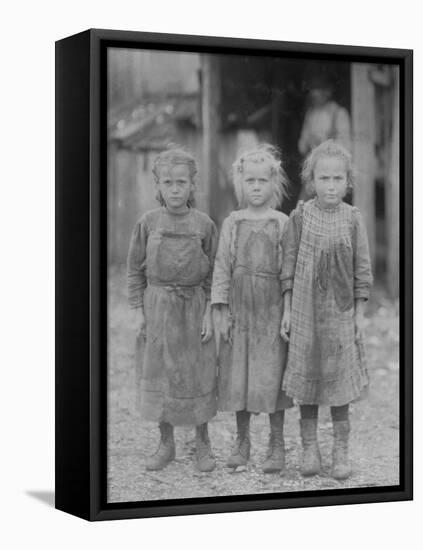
x=247 y=296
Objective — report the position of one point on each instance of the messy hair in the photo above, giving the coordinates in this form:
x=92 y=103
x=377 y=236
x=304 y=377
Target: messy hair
x=171 y=157
x=329 y=148
x=264 y=153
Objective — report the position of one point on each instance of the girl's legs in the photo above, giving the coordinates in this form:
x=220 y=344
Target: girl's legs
x=203 y=453
x=308 y=427
x=241 y=451
x=275 y=461
x=341 y=467
x=166 y=451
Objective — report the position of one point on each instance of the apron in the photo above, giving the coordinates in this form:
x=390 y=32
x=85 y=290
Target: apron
x=251 y=370
x=177 y=372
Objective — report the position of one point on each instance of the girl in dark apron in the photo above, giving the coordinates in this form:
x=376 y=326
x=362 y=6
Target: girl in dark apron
x=170 y=264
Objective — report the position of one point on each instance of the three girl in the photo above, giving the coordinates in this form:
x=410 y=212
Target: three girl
x=304 y=281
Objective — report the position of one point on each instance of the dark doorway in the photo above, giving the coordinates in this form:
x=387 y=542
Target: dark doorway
x=271 y=96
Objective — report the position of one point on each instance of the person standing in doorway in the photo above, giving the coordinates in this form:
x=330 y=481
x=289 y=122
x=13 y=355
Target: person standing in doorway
x=324 y=119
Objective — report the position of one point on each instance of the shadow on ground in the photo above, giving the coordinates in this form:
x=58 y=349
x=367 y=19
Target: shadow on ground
x=46 y=497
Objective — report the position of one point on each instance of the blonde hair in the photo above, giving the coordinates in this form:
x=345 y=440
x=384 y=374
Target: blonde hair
x=265 y=153
x=171 y=157
x=329 y=148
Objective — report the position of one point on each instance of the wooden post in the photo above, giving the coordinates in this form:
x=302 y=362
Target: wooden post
x=363 y=135
x=276 y=113
x=211 y=127
x=392 y=195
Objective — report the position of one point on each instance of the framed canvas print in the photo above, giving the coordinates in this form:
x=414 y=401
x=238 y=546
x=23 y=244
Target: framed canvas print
x=233 y=274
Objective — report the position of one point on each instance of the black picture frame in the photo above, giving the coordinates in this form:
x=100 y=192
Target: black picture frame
x=81 y=286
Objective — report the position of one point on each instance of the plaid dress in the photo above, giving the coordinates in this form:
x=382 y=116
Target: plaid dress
x=327 y=266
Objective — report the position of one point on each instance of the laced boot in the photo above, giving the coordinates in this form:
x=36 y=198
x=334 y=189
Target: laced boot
x=275 y=460
x=241 y=451
x=166 y=450
x=203 y=454
x=341 y=467
x=311 y=455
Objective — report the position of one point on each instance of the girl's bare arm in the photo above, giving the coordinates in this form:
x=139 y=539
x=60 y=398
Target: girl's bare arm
x=286 y=317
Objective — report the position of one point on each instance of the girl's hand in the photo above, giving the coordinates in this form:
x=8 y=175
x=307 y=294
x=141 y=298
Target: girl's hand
x=140 y=327
x=226 y=324
x=359 y=319
x=359 y=322
x=207 y=326
x=285 y=326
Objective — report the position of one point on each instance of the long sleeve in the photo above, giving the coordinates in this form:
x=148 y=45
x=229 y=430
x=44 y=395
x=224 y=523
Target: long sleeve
x=222 y=267
x=290 y=246
x=209 y=249
x=363 y=278
x=136 y=265
x=304 y=141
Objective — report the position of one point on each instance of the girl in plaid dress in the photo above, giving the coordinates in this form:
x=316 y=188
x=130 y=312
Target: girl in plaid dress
x=326 y=277
x=246 y=293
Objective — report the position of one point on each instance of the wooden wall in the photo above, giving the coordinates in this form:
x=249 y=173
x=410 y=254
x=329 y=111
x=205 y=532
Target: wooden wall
x=375 y=125
x=137 y=74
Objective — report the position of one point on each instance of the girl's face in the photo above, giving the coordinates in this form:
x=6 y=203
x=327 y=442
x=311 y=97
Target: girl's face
x=175 y=185
x=257 y=184
x=330 y=181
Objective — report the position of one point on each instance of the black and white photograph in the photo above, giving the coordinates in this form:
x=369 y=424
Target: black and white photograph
x=210 y=241
x=253 y=260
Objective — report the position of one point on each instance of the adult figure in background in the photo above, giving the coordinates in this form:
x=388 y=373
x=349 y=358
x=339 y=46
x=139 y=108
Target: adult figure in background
x=324 y=119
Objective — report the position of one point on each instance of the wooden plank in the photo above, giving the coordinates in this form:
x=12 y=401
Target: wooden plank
x=363 y=134
x=211 y=96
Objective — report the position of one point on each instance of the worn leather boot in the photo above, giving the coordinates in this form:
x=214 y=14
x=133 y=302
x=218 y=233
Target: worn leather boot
x=311 y=455
x=203 y=454
x=341 y=467
x=275 y=460
x=166 y=451
x=241 y=451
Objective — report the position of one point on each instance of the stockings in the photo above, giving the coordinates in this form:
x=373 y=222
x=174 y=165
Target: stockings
x=337 y=413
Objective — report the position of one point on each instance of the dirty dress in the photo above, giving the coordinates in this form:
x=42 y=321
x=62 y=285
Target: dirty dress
x=247 y=278
x=327 y=267
x=170 y=265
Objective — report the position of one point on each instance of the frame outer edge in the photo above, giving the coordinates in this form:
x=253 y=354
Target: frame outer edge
x=98 y=357
x=407 y=271
x=97 y=309
x=72 y=396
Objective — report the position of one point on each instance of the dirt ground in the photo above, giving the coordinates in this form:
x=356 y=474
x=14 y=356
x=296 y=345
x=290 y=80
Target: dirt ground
x=374 y=439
